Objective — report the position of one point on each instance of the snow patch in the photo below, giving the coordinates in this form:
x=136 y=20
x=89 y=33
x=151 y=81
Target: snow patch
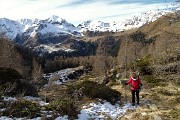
x=42 y=103
x=53 y=48
x=101 y=111
x=61 y=76
x=94 y=111
x=9 y=98
x=30 y=98
x=62 y=118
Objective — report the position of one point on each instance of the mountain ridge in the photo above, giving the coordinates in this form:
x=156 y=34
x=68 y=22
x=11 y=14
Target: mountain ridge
x=124 y=24
x=48 y=33
x=53 y=24
x=56 y=25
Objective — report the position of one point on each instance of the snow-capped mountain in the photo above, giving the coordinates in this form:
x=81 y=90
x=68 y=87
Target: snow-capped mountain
x=116 y=26
x=48 y=35
x=53 y=25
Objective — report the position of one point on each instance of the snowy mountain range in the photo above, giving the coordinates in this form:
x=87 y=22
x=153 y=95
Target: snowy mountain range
x=48 y=34
x=124 y=24
x=53 y=24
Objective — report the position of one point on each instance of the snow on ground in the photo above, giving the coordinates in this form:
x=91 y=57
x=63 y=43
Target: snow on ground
x=100 y=111
x=9 y=98
x=93 y=111
x=61 y=76
x=42 y=103
x=29 y=98
x=7 y=118
x=53 y=48
x=62 y=118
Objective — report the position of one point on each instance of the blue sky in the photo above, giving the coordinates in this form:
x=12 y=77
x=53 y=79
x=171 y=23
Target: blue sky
x=77 y=11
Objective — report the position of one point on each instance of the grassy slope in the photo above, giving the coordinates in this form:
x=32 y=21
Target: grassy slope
x=163 y=95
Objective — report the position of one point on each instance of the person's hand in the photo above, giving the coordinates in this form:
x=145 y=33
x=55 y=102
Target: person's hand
x=140 y=88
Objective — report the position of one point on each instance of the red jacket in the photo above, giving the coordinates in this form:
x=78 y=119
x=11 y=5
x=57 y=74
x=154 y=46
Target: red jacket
x=135 y=83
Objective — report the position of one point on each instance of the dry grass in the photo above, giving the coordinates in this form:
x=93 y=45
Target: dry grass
x=125 y=32
x=164 y=23
x=92 y=39
x=158 y=102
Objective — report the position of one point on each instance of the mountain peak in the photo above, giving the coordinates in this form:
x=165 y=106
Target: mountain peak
x=55 y=18
x=25 y=21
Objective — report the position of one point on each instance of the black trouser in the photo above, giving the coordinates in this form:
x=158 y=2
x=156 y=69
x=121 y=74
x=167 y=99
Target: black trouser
x=133 y=96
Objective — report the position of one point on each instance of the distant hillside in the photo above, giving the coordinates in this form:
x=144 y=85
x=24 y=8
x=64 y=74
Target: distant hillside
x=155 y=38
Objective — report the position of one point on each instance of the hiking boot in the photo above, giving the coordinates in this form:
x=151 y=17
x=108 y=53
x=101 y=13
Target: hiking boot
x=133 y=104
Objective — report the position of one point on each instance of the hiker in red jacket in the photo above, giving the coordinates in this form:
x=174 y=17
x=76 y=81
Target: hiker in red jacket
x=136 y=84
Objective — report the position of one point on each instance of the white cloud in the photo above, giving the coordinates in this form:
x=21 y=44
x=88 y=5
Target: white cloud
x=75 y=11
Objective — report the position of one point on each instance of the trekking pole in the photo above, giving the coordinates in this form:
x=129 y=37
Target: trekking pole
x=125 y=95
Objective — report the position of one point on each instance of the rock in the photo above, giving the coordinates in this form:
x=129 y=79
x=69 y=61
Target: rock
x=144 y=114
x=156 y=117
x=153 y=107
x=71 y=76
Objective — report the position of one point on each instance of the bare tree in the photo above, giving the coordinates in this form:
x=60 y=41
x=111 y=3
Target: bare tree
x=101 y=63
x=37 y=73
